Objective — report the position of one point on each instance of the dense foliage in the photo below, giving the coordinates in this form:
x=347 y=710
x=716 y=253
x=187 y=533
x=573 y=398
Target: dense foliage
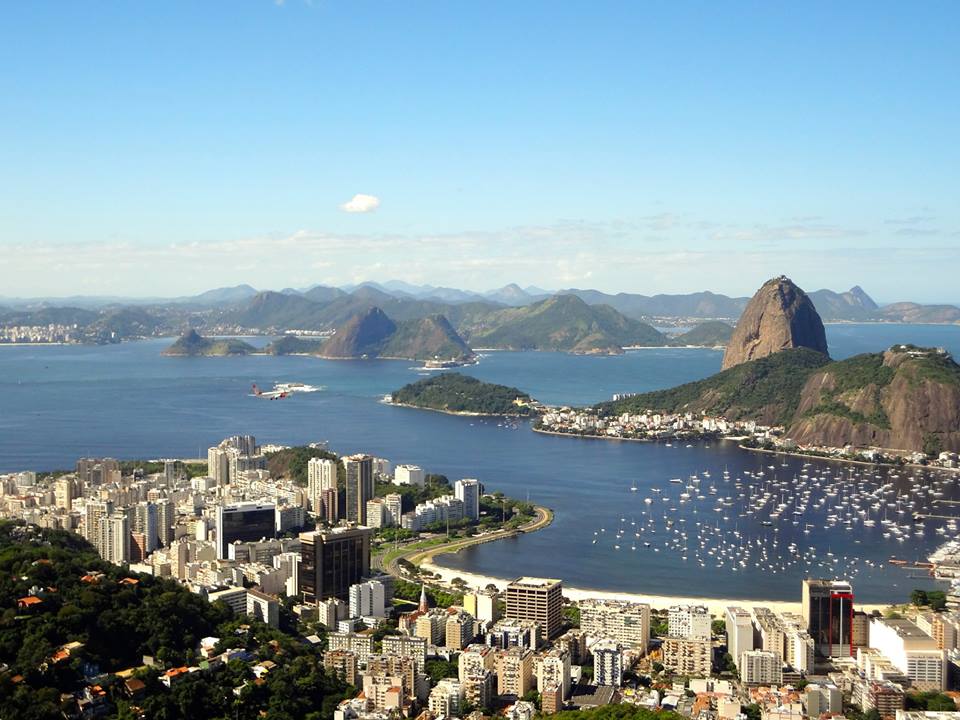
x=618 y=712
x=454 y=392
x=120 y=620
x=192 y=343
x=293 y=345
x=769 y=387
x=292 y=463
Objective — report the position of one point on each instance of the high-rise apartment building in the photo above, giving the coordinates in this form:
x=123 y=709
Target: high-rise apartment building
x=145 y=523
x=553 y=669
x=218 y=465
x=115 y=539
x=367 y=599
x=165 y=518
x=537 y=599
x=514 y=668
x=332 y=561
x=359 y=486
x=468 y=491
x=739 y=626
x=321 y=476
x=63 y=493
x=608 y=663
x=761 y=667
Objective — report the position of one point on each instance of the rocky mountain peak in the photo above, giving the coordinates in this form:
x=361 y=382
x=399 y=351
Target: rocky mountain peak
x=778 y=317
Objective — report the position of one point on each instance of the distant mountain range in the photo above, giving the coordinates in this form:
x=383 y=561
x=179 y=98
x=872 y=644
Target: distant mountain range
x=510 y=316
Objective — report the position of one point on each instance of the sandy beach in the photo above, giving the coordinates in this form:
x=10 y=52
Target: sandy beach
x=715 y=605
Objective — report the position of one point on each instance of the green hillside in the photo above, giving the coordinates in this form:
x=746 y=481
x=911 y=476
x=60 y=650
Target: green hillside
x=192 y=344
x=767 y=389
x=116 y=619
x=293 y=345
x=563 y=323
x=708 y=334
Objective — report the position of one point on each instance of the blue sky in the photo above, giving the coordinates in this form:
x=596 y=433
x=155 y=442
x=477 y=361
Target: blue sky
x=166 y=148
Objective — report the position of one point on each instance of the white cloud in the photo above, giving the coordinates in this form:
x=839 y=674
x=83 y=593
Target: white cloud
x=361 y=203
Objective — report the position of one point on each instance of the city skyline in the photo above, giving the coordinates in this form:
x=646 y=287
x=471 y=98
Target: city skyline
x=632 y=148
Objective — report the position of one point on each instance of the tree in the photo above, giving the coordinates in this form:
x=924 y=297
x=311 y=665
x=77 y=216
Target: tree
x=918 y=597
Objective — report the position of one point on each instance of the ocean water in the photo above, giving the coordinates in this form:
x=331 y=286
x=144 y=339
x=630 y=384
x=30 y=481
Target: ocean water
x=59 y=403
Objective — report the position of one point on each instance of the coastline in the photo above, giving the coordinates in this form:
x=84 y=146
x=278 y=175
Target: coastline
x=460 y=413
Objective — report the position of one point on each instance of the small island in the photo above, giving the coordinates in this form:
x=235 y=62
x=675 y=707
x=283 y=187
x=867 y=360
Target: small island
x=464 y=395
x=193 y=344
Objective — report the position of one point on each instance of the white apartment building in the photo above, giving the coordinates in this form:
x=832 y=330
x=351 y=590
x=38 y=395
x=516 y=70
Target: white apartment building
x=409 y=475
x=626 y=622
x=761 y=667
x=690 y=622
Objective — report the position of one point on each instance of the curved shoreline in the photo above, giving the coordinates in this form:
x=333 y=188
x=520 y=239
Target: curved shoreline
x=422 y=556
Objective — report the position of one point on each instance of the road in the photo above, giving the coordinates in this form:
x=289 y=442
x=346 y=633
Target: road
x=418 y=555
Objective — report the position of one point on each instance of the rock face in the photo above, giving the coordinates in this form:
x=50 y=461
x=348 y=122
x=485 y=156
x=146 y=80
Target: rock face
x=903 y=399
x=778 y=317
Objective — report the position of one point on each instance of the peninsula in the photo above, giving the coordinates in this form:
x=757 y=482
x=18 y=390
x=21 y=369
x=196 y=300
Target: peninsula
x=459 y=394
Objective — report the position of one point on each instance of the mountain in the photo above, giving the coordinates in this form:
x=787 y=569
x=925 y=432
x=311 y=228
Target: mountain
x=906 y=398
x=363 y=335
x=699 y=305
x=562 y=323
x=192 y=344
x=372 y=334
x=853 y=305
x=293 y=345
x=779 y=316
x=429 y=338
x=223 y=296
x=512 y=295
x=767 y=390
x=275 y=311
x=323 y=294
x=708 y=334
x=907 y=312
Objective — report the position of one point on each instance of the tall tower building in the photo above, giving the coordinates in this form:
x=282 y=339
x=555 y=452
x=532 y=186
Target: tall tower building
x=63 y=493
x=468 y=491
x=218 y=465
x=115 y=539
x=739 y=626
x=95 y=515
x=321 y=476
x=145 y=523
x=331 y=561
x=359 y=482
x=828 y=615
x=165 y=520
